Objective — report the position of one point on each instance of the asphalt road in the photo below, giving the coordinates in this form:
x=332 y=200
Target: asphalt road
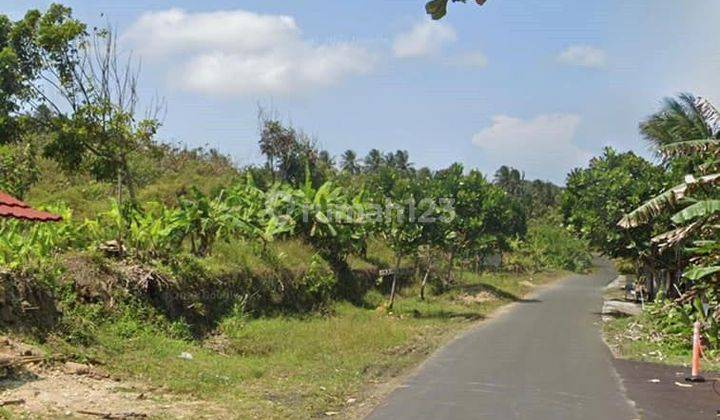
x=540 y=359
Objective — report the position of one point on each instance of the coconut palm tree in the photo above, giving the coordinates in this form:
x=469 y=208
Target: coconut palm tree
x=680 y=119
x=349 y=162
x=510 y=180
x=373 y=160
x=695 y=201
x=402 y=160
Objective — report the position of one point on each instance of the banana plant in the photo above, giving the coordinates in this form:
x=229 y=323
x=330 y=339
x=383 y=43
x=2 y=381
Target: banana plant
x=695 y=204
x=22 y=241
x=203 y=220
x=331 y=220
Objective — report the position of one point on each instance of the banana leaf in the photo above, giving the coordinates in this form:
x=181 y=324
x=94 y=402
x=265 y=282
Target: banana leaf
x=655 y=206
x=675 y=236
x=696 y=273
x=701 y=209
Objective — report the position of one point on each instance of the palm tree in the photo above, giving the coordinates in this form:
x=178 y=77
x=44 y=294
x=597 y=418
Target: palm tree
x=680 y=119
x=389 y=160
x=373 y=160
x=325 y=158
x=349 y=162
x=695 y=202
x=510 y=180
x=402 y=160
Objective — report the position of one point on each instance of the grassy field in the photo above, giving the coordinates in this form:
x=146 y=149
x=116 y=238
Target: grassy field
x=303 y=367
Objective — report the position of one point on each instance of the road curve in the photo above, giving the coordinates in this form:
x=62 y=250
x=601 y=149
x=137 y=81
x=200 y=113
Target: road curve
x=540 y=359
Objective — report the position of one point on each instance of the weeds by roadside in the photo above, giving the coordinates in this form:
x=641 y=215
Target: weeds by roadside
x=297 y=366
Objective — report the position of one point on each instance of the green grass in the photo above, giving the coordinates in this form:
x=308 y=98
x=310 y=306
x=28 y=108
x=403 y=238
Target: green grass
x=379 y=255
x=302 y=367
x=238 y=254
x=636 y=338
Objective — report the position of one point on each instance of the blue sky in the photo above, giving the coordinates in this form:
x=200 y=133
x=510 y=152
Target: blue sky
x=540 y=85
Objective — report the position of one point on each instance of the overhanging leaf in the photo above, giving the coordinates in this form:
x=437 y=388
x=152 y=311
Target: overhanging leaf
x=667 y=199
x=437 y=9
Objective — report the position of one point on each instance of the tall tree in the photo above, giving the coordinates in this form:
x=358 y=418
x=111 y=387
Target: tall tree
x=510 y=180
x=596 y=197
x=402 y=160
x=679 y=119
x=349 y=162
x=37 y=53
x=695 y=203
x=96 y=126
x=373 y=160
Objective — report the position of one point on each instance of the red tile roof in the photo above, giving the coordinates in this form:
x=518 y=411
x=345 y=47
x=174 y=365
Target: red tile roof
x=14 y=208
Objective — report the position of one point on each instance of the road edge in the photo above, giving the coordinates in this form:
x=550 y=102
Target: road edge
x=380 y=392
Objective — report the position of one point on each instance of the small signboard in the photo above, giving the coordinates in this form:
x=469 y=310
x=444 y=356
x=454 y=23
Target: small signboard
x=390 y=271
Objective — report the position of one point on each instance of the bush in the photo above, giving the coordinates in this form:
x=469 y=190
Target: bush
x=549 y=245
x=625 y=266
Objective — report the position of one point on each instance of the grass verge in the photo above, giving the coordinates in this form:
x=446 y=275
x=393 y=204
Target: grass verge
x=638 y=338
x=303 y=367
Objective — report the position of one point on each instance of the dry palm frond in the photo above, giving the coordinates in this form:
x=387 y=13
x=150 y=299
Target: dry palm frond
x=689 y=147
x=671 y=238
x=709 y=113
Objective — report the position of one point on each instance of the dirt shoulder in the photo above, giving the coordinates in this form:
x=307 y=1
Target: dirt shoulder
x=652 y=369
x=34 y=385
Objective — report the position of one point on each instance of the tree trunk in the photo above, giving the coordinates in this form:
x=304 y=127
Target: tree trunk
x=451 y=258
x=416 y=267
x=129 y=180
x=394 y=283
x=424 y=282
x=121 y=229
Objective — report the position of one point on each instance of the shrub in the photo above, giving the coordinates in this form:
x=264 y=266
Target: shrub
x=549 y=245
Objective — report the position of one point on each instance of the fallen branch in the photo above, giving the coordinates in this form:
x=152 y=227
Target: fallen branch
x=12 y=402
x=113 y=416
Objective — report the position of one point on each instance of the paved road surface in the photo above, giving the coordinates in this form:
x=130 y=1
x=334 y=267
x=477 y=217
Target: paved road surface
x=541 y=359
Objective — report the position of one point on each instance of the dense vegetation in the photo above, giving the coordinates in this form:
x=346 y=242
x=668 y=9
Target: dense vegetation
x=151 y=224
x=169 y=247
x=661 y=218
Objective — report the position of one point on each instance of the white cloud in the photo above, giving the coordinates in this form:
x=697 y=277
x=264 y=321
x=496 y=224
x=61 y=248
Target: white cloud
x=542 y=146
x=472 y=59
x=423 y=39
x=236 y=52
x=583 y=56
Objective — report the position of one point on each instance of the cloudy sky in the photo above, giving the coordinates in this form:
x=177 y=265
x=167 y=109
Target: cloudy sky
x=538 y=84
